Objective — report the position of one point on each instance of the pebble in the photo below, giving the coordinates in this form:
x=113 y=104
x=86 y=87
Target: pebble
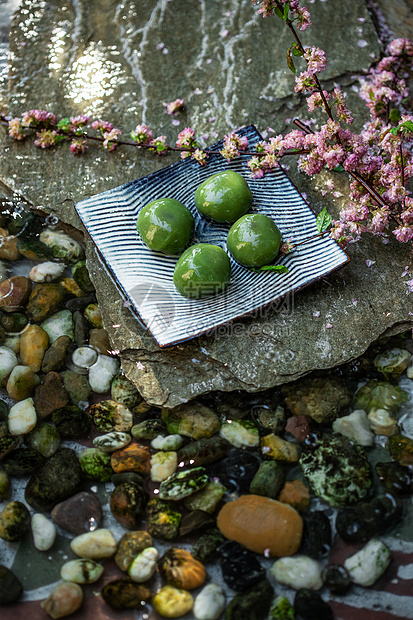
x=99 y=339
x=34 y=342
x=163 y=465
x=72 y=422
x=8 y=246
x=21 y=383
x=95 y=464
x=162 y=519
x=182 y=484
x=268 y=480
x=123 y=391
x=14 y=521
x=127 y=503
x=112 y=441
x=79 y=514
x=133 y=458
x=207 y=545
x=77 y=387
x=50 y=395
x=261 y=524
x=12 y=342
x=84 y=357
x=240 y=433
x=321 y=398
x=4 y=485
x=22 y=462
x=130 y=546
x=337 y=579
x=364 y=521
x=124 y=594
x=181 y=570
x=110 y=416
x=382 y=423
x=240 y=568
x=102 y=373
x=274 y=447
x=299 y=427
x=207 y=450
x=392 y=363
x=172 y=602
x=81 y=571
x=296 y=494
x=94 y=545
x=236 y=471
x=62 y=245
x=65 y=599
x=368 y=564
x=330 y=463
x=8 y=361
x=298 y=572
x=44 y=532
x=355 y=426
x=308 y=605
x=317 y=534
x=147 y=430
x=191 y=420
x=253 y=604
x=55 y=356
x=14 y=322
x=81 y=275
x=46 y=272
x=144 y=565
x=401 y=449
x=93 y=315
x=10 y=586
x=81 y=331
x=22 y=417
x=195 y=521
x=210 y=603
x=57 y=479
x=44 y=301
x=59 y=324
x=14 y=293
x=207 y=499
x=380 y=395
x=281 y=609
x=268 y=419
x=171 y=442
x=395 y=478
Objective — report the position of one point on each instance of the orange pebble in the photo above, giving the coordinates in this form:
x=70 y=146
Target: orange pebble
x=296 y=494
x=133 y=457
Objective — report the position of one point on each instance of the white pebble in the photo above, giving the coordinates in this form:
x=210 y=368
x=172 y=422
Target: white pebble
x=382 y=423
x=240 y=433
x=210 y=603
x=81 y=571
x=171 y=442
x=22 y=417
x=8 y=361
x=112 y=441
x=163 y=465
x=102 y=373
x=44 y=532
x=85 y=357
x=368 y=564
x=355 y=426
x=46 y=272
x=144 y=565
x=298 y=572
x=94 y=545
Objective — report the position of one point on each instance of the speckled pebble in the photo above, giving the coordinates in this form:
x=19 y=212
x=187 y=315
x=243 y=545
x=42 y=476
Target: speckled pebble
x=112 y=441
x=172 y=602
x=81 y=571
x=240 y=433
x=368 y=564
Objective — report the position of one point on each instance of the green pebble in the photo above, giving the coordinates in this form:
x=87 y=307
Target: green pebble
x=95 y=464
x=269 y=480
x=45 y=438
x=14 y=521
x=162 y=520
x=182 y=484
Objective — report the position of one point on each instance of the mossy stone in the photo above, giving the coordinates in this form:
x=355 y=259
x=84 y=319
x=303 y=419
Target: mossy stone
x=95 y=464
x=45 y=438
x=22 y=462
x=268 y=480
x=130 y=546
x=125 y=594
x=162 y=519
x=127 y=503
x=81 y=276
x=207 y=545
x=14 y=322
x=14 y=521
x=72 y=423
x=253 y=604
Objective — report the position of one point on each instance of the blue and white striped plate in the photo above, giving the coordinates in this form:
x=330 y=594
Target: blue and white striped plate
x=145 y=277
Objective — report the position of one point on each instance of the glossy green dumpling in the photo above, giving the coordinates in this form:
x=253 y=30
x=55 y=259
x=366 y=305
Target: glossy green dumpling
x=165 y=225
x=203 y=269
x=254 y=240
x=224 y=196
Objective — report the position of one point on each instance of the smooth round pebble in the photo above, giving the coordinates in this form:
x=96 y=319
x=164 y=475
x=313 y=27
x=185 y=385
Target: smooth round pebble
x=94 y=545
x=81 y=571
x=46 y=272
x=368 y=564
x=22 y=417
x=240 y=433
x=65 y=599
x=163 y=465
x=102 y=373
x=171 y=442
x=10 y=586
x=172 y=602
x=84 y=357
x=144 y=565
x=8 y=361
x=180 y=569
x=210 y=603
x=298 y=572
x=44 y=532
x=112 y=441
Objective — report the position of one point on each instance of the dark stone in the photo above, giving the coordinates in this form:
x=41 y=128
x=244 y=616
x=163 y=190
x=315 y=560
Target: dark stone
x=50 y=395
x=80 y=303
x=81 y=329
x=316 y=534
x=77 y=386
x=10 y=586
x=14 y=293
x=14 y=521
x=269 y=419
x=4 y=410
x=240 y=568
x=206 y=547
x=321 y=398
x=127 y=476
x=125 y=594
x=298 y=426
x=148 y=430
x=130 y=546
x=72 y=423
x=82 y=278
x=127 y=503
x=395 y=478
x=14 y=322
x=337 y=579
x=162 y=519
x=45 y=300
x=21 y=220
x=269 y=480
x=78 y=514
x=237 y=471
x=195 y=521
x=401 y=449
x=308 y=605
x=55 y=356
x=7 y=443
x=362 y=522
x=232 y=405
x=58 y=479
x=22 y=462
x=204 y=451
x=253 y=604
x=33 y=249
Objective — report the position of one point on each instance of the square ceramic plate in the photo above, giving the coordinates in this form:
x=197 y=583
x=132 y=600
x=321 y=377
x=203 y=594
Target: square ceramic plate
x=145 y=277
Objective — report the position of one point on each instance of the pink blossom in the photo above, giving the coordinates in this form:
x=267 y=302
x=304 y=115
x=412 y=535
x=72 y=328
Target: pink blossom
x=315 y=100
x=78 y=121
x=185 y=138
x=159 y=145
x=36 y=117
x=45 y=138
x=400 y=46
x=342 y=110
x=304 y=81
x=303 y=18
x=403 y=233
x=316 y=59
x=78 y=146
x=110 y=139
x=102 y=125
x=16 y=129
x=200 y=156
x=255 y=164
x=233 y=144
x=174 y=107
